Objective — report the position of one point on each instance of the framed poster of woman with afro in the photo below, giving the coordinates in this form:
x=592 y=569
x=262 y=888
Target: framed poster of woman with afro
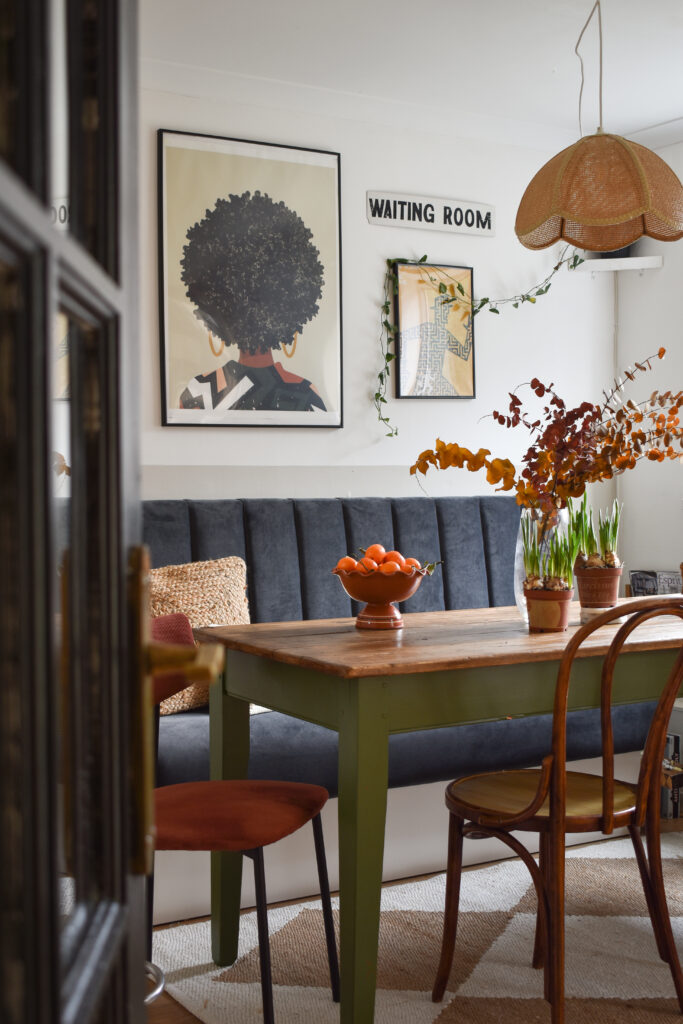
x=249 y=283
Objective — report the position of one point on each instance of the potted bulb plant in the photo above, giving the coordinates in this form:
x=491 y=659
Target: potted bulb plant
x=597 y=569
x=549 y=567
x=570 y=449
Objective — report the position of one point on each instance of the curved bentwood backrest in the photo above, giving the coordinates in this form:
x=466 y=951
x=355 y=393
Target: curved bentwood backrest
x=649 y=780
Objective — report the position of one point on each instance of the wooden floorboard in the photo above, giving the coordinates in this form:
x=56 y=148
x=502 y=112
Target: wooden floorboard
x=166 y=1011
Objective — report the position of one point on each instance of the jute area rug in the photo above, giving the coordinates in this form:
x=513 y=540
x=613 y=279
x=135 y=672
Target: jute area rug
x=613 y=972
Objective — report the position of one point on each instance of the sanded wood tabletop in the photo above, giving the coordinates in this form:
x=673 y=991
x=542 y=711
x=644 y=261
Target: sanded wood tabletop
x=429 y=642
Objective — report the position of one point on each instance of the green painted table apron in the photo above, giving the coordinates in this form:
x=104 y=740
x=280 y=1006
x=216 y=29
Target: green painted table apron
x=365 y=710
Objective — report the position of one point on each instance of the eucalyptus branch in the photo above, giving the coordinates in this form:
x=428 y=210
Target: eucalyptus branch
x=641 y=366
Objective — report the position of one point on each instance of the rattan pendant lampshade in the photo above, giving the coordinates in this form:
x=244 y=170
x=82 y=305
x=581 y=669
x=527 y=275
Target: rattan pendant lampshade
x=602 y=193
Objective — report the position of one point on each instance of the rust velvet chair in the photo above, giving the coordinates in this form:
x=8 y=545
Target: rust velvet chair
x=241 y=815
x=552 y=801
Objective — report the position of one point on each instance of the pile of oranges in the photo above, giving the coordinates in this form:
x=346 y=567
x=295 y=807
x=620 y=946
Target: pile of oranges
x=377 y=559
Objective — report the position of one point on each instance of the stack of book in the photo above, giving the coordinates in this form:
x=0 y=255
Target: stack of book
x=672 y=768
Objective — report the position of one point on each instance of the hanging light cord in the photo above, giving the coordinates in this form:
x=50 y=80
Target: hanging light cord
x=596 y=5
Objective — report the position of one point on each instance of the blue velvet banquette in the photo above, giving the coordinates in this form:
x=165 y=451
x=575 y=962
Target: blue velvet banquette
x=475 y=539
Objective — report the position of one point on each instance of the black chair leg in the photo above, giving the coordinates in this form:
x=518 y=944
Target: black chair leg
x=149 y=891
x=327 y=905
x=263 y=940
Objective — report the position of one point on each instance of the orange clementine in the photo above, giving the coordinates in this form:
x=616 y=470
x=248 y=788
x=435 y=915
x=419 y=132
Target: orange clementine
x=347 y=564
x=413 y=562
x=376 y=552
x=389 y=567
x=367 y=565
x=394 y=556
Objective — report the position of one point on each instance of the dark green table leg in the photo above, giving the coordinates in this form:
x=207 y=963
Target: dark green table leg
x=229 y=760
x=363 y=774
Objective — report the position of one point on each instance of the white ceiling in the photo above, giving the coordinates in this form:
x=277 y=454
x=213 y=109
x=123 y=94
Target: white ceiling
x=469 y=59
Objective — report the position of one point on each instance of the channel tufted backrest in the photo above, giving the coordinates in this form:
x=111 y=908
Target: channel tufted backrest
x=290 y=546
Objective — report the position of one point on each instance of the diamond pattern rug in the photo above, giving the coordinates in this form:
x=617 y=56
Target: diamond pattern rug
x=613 y=972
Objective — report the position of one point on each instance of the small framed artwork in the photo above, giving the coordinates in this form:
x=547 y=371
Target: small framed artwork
x=435 y=331
x=249 y=283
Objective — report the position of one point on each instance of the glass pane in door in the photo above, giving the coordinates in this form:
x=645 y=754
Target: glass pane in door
x=86 y=624
x=93 y=189
x=61 y=462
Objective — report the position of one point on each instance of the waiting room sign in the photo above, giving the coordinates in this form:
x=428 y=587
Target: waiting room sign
x=455 y=215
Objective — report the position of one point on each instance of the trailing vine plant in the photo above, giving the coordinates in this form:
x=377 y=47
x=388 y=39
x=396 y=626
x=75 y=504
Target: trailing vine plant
x=389 y=329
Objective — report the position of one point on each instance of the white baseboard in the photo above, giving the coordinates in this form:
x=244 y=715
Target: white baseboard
x=415 y=844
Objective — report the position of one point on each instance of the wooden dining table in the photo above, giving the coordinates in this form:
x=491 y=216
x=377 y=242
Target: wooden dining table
x=441 y=669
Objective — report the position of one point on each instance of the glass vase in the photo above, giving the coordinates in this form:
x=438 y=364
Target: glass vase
x=520 y=574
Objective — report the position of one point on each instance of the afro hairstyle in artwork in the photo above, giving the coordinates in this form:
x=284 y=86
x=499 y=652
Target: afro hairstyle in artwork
x=252 y=272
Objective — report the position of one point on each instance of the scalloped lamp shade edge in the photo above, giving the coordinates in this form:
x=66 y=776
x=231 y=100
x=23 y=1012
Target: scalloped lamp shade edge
x=601 y=194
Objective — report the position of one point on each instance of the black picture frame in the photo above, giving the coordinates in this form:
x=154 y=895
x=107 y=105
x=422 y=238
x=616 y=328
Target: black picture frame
x=238 y=219
x=435 y=330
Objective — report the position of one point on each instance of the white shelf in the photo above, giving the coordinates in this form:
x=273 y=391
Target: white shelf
x=622 y=263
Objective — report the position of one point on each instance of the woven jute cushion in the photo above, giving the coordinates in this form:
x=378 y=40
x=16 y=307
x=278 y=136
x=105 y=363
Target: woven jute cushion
x=209 y=593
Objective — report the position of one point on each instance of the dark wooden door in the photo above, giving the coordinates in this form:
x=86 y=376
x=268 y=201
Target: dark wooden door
x=71 y=900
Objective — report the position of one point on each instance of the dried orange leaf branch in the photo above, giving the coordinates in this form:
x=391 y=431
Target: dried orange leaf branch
x=572 y=448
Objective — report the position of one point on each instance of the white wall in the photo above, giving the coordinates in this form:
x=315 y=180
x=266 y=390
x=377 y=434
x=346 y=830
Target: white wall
x=649 y=310
x=566 y=337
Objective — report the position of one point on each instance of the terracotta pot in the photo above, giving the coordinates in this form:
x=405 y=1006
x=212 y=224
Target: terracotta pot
x=380 y=592
x=598 y=588
x=548 y=610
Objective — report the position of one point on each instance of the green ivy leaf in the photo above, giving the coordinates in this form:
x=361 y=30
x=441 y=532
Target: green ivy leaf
x=492 y=309
x=423 y=259
x=460 y=288
x=442 y=288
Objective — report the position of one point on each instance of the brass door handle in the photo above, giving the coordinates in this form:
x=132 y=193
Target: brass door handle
x=141 y=736
x=202 y=664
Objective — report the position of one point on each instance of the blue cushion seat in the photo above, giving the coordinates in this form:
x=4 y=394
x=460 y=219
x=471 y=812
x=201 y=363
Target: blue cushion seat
x=474 y=537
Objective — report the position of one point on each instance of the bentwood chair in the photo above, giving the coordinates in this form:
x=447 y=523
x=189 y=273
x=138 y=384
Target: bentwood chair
x=552 y=801
x=240 y=815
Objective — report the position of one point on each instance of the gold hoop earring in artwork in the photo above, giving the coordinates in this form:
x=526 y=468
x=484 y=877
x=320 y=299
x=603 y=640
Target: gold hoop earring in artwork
x=293 y=349
x=213 y=350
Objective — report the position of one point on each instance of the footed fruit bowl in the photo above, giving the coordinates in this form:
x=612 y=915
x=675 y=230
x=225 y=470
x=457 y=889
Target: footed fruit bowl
x=379 y=590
